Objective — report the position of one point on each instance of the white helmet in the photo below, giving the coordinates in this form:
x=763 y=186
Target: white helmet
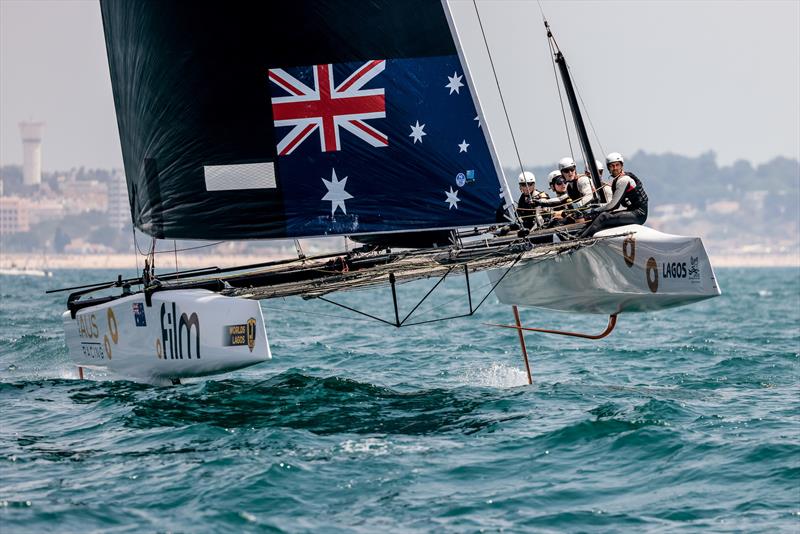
x=613 y=157
x=565 y=163
x=599 y=165
x=527 y=177
x=553 y=175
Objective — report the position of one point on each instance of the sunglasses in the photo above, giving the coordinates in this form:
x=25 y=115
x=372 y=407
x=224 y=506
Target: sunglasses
x=560 y=181
x=570 y=169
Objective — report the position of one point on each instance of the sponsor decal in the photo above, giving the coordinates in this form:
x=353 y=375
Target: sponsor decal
x=87 y=327
x=651 y=274
x=673 y=270
x=471 y=176
x=461 y=179
x=88 y=330
x=694 y=268
x=138 y=314
x=251 y=333
x=177 y=334
x=237 y=335
x=629 y=250
x=93 y=350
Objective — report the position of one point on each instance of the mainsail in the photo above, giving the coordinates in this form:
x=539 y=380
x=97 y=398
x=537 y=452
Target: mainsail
x=290 y=119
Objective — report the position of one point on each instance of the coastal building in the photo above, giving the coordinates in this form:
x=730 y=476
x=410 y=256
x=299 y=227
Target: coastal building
x=80 y=196
x=119 y=215
x=45 y=209
x=32 y=151
x=13 y=215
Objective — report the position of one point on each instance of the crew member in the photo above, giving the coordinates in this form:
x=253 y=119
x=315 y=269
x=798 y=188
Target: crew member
x=553 y=208
x=628 y=204
x=527 y=208
x=579 y=188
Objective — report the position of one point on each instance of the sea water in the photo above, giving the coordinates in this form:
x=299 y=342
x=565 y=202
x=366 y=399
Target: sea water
x=681 y=420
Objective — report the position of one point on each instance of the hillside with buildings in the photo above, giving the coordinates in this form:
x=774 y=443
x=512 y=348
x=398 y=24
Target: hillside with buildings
x=738 y=210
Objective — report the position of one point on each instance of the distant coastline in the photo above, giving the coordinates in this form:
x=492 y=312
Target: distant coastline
x=190 y=261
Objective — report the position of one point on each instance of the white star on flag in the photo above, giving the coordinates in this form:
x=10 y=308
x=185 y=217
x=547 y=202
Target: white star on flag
x=416 y=132
x=455 y=83
x=336 y=193
x=452 y=198
x=463 y=146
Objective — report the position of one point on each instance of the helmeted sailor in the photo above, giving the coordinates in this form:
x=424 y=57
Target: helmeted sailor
x=561 y=201
x=527 y=209
x=628 y=204
x=579 y=188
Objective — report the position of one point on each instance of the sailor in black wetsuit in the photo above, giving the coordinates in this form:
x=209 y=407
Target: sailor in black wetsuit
x=527 y=208
x=628 y=204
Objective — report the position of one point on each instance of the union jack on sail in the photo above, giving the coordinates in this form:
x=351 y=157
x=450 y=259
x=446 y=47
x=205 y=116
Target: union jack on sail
x=327 y=108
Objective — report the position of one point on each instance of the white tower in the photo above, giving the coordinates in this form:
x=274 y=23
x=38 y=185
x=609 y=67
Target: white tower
x=32 y=151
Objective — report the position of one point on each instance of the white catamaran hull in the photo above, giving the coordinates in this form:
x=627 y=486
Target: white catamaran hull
x=643 y=271
x=191 y=332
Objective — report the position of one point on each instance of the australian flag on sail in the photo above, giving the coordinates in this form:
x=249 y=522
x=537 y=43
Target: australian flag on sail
x=380 y=145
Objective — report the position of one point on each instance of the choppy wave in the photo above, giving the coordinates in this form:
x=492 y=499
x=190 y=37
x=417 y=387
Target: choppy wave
x=683 y=420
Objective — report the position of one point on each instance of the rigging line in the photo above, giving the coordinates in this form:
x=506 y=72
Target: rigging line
x=184 y=249
x=430 y=309
x=475 y=310
x=560 y=98
x=152 y=255
x=135 y=246
x=175 y=245
x=497 y=82
x=586 y=112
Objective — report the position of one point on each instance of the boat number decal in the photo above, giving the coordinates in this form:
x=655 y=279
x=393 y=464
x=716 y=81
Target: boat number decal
x=107 y=346
x=651 y=272
x=237 y=335
x=112 y=326
x=629 y=250
x=113 y=330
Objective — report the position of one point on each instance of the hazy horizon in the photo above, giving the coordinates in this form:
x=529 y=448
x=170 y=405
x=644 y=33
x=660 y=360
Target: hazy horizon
x=661 y=77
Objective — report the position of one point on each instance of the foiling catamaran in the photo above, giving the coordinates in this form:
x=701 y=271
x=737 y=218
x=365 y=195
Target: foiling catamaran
x=302 y=119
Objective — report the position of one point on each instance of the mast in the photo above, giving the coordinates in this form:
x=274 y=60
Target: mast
x=576 y=116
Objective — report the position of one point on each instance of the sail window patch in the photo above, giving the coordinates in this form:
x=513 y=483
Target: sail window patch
x=241 y=176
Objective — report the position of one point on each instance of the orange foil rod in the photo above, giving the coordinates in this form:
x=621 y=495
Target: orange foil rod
x=612 y=322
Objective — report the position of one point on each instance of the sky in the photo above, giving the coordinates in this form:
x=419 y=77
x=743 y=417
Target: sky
x=661 y=76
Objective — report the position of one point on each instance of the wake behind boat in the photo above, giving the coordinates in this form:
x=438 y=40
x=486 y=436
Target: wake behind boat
x=234 y=135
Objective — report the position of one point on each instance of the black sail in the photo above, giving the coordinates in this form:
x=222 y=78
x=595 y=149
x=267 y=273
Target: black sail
x=222 y=137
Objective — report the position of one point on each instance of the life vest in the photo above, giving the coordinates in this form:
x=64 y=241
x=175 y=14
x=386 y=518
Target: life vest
x=527 y=209
x=572 y=190
x=634 y=197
